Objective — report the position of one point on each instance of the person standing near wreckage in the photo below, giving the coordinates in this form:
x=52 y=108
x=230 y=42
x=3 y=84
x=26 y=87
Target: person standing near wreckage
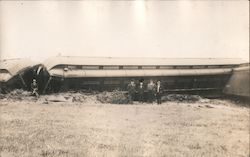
x=158 y=92
x=141 y=91
x=150 y=89
x=34 y=88
x=131 y=91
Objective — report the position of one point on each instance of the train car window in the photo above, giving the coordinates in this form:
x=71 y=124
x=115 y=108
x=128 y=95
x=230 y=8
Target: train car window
x=139 y=67
x=183 y=67
x=90 y=67
x=111 y=67
x=120 y=67
x=166 y=67
x=130 y=67
x=72 y=67
x=100 y=67
x=78 y=67
x=148 y=67
x=157 y=67
x=213 y=66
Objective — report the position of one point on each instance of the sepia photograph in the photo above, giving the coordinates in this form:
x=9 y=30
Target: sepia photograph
x=125 y=78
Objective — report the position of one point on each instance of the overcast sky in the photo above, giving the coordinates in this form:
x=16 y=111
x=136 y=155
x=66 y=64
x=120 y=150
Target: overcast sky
x=172 y=29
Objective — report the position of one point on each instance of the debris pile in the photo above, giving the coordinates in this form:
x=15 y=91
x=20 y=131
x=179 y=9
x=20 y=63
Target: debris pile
x=17 y=94
x=115 y=97
x=63 y=97
x=181 y=98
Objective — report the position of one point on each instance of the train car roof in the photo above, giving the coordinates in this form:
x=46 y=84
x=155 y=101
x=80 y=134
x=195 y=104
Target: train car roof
x=14 y=66
x=74 y=60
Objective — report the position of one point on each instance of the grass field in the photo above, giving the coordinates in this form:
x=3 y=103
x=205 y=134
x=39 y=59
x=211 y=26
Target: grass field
x=175 y=129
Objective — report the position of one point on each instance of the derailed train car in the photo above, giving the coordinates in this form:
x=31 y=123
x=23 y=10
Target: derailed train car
x=239 y=82
x=207 y=76
x=17 y=73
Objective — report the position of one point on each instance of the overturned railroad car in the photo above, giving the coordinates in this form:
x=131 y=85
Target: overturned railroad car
x=17 y=73
x=239 y=82
x=207 y=76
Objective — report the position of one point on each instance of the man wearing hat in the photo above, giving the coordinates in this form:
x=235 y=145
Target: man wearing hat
x=158 y=92
x=150 y=91
x=141 y=89
x=34 y=88
x=131 y=91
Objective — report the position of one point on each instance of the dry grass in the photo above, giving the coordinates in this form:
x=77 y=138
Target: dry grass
x=115 y=97
x=32 y=128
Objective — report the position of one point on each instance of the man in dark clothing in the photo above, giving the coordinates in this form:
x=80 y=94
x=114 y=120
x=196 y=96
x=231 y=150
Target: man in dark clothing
x=34 y=88
x=158 y=92
x=150 y=89
x=141 y=91
x=131 y=91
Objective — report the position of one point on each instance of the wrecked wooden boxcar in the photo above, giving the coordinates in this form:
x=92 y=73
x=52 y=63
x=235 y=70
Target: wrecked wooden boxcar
x=17 y=73
x=177 y=75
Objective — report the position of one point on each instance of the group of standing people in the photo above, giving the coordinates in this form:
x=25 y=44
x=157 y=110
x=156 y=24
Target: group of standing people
x=146 y=93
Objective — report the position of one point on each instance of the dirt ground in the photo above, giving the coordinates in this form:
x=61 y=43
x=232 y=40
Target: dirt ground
x=207 y=128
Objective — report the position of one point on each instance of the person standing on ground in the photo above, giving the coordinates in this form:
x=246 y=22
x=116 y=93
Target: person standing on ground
x=34 y=88
x=141 y=91
x=158 y=92
x=150 y=89
x=131 y=91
